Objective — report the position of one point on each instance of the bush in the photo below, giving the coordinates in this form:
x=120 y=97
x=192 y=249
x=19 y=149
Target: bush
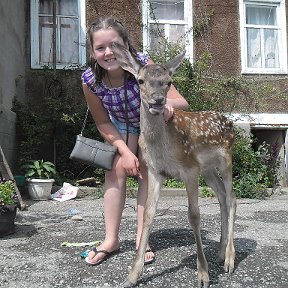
x=253 y=171
x=48 y=131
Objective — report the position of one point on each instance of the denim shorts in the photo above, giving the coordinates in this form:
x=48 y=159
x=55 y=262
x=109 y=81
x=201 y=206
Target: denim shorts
x=122 y=127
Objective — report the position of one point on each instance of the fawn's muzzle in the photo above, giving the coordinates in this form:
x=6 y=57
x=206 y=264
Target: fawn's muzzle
x=156 y=104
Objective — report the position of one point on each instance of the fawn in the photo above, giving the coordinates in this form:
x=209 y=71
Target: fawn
x=190 y=144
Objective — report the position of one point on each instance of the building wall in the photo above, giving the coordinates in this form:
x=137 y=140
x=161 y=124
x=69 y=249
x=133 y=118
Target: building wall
x=221 y=38
x=127 y=11
x=12 y=71
x=221 y=34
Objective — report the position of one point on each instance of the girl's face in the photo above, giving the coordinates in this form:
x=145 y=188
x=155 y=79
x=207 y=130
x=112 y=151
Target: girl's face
x=102 y=50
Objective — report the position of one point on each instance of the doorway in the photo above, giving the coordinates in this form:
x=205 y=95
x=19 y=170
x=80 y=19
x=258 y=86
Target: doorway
x=278 y=142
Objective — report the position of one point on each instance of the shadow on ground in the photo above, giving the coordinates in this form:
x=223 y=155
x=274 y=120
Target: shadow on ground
x=164 y=239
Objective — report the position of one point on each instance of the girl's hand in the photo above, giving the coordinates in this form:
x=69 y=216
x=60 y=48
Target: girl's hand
x=131 y=164
x=168 y=112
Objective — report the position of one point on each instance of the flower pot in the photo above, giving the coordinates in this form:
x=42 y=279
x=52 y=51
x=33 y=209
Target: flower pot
x=20 y=180
x=7 y=218
x=40 y=189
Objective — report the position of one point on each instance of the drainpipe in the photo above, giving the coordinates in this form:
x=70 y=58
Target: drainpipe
x=54 y=64
x=54 y=37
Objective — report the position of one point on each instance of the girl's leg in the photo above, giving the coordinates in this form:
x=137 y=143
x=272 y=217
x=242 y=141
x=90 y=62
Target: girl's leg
x=114 y=201
x=141 y=201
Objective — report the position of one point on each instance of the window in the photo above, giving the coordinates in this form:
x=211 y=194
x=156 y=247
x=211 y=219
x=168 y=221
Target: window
x=263 y=36
x=169 y=19
x=70 y=33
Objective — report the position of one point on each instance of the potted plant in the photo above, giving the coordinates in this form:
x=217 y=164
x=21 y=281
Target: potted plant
x=8 y=206
x=38 y=174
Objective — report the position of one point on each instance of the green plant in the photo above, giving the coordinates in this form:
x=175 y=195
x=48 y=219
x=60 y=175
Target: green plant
x=203 y=23
x=132 y=182
x=52 y=136
x=8 y=194
x=173 y=183
x=253 y=170
x=39 y=169
x=99 y=193
x=206 y=192
x=50 y=120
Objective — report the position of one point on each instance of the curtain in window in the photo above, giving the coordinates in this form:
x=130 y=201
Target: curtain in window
x=271 y=49
x=67 y=34
x=168 y=10
x=262 y=42
x=177 y=33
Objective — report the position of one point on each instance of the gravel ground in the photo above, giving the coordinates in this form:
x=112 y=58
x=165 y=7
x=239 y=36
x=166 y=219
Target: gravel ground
x=34 y=257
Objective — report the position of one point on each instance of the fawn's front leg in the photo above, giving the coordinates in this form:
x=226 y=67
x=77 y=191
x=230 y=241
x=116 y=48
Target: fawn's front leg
x=194 y=219
x=154 y=186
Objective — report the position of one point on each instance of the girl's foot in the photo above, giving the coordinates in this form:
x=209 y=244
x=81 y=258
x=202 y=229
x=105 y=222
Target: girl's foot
x=100 y=253
x=149 y=255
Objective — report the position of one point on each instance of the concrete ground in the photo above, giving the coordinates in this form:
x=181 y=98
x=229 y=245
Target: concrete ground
x=34 y=257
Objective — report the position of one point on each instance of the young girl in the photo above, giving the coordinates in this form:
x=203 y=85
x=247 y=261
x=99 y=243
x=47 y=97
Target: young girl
x=104 y=84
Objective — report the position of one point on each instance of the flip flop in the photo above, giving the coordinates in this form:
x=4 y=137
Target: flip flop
x=150 y=261
x=107 y=255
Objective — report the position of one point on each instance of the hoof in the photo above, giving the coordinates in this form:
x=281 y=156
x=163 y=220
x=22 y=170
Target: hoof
x=229 y=268
x=202 y=284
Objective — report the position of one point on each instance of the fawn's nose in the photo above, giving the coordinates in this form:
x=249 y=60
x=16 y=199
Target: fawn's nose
x=159 y=100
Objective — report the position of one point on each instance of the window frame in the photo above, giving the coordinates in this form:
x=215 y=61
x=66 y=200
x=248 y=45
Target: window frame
x=34 y=36
x=187 y=22
x=282 y=37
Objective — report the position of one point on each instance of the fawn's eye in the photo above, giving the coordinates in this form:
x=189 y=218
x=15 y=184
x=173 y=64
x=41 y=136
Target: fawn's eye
x=140 y=81
x=169 y=83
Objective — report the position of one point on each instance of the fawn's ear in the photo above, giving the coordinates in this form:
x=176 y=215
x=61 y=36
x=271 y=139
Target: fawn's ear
x=125 y=59
x=173 y=64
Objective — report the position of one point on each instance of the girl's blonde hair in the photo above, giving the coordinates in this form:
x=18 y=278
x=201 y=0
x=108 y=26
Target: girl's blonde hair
x=106 y=23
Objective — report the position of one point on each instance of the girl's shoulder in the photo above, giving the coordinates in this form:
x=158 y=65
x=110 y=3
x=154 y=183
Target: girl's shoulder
x=142 y=58
x=87 y=73
x=88 y=77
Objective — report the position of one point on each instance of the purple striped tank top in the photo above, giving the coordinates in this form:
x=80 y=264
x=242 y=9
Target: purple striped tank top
x=113 y=99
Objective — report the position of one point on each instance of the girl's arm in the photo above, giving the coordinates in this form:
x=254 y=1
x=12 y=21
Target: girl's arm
x=102 y=120
x=175 y=99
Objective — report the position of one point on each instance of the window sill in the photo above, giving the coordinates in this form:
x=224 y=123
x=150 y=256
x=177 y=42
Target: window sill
x=265 y=72
x=60 y=67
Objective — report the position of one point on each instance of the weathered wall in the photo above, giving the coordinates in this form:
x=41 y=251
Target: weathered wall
x=12 y=70
x=221 y=37
x=126 y=11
